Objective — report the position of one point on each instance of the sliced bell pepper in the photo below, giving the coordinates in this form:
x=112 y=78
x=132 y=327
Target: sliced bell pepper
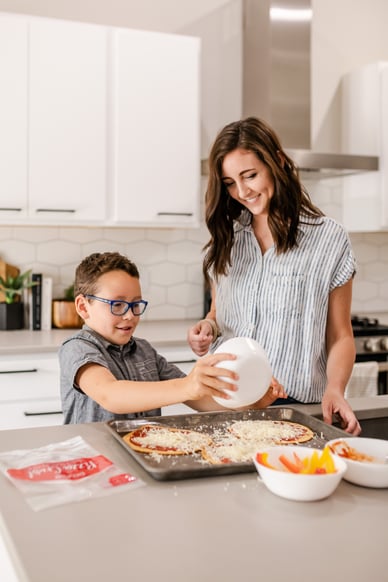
x=298 y=461
x=314 y=462
x=290 y=465
x=262 y=458
x=326 y=461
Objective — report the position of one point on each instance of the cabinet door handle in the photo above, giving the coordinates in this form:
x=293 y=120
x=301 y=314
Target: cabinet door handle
x=41 y=413
x=11 y=209
x=18 y=371
x=175 y=214
x=65 y=210
x=182 y=361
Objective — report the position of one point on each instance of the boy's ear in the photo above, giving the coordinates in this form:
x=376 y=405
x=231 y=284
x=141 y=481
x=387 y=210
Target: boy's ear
x=81 y=305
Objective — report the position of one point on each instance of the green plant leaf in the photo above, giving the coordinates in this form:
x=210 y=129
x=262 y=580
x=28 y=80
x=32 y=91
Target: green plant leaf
x=14 y=286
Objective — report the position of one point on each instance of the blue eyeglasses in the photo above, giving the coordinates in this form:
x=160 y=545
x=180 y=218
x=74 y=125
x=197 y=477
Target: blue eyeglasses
x=119 y=307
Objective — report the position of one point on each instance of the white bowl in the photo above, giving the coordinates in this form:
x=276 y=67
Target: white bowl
x=366 y=473
x=253 y=368
x=297 y=486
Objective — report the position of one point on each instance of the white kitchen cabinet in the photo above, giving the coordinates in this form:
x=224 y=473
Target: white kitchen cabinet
x=30 y=413
x=29 y=391
x=53 y=82
x=365 y=132
x=100 y=125
x=67 y=121
x=13 y=117
x=155 y=129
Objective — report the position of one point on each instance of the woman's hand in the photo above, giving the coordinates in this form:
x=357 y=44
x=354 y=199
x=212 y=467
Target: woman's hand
x=334 y=403
x=274 y=392
x=199 y=337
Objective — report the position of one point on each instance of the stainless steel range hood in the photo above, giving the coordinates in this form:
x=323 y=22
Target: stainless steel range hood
x=276 y=82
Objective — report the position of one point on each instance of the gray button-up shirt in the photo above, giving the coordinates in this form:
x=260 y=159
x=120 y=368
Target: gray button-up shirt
x=137 y=360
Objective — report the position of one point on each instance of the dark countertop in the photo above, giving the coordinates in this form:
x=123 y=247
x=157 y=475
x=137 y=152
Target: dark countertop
x=364 y=408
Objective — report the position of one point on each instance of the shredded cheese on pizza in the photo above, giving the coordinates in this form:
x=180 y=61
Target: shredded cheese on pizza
x=236 y=443
x=236 y=451
x=267 y=431
x=246 y=436
x=162 y=439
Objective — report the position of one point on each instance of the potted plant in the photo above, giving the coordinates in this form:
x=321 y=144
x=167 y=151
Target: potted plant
x=64 y=312
x=12 y=308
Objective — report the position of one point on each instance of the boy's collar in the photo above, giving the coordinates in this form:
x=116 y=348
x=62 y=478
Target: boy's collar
x=131 y=344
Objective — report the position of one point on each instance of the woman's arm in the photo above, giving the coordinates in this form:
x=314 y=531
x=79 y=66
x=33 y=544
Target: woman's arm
x=340 y=358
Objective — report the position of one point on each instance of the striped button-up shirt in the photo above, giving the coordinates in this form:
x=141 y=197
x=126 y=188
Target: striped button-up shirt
x=282 y=301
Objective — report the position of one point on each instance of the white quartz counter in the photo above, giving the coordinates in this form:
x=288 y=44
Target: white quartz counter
x=24 y=341
x=224 y=528
x=163 y=333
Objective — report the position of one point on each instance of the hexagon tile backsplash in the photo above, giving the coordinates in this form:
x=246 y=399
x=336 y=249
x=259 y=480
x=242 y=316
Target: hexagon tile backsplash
x=170 y=263
x=370 y=288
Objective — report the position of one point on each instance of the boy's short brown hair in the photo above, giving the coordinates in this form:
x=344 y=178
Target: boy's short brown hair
x=92 y=267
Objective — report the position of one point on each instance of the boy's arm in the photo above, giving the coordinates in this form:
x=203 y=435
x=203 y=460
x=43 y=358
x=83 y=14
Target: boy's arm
x=127 y=396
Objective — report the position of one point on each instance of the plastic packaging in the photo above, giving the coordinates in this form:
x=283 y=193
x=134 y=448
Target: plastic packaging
x=64 y=472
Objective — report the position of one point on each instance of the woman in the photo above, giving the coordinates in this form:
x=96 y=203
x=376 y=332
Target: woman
x=280 y=271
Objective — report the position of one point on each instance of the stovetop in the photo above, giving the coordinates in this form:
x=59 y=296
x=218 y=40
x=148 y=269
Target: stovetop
x=371 y=338
x=366 y=326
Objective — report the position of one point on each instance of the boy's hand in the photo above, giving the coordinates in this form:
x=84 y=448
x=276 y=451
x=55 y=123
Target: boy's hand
x=204 y=379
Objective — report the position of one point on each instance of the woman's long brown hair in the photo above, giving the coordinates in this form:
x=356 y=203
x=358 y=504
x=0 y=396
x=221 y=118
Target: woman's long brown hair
x=289 y=201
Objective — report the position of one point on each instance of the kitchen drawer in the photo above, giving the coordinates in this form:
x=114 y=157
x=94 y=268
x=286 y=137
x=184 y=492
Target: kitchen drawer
x=24 y=379
x=49 y=358
x=31 y=413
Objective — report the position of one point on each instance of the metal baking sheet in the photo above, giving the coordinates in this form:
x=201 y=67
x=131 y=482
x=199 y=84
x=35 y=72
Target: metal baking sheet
x=165 y=467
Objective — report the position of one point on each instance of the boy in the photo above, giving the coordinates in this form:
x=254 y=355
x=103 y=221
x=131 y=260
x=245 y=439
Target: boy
x=107 y=374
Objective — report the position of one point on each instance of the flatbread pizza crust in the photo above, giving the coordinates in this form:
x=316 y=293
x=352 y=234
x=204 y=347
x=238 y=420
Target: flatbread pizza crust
x=166 y=440
x=279 y=432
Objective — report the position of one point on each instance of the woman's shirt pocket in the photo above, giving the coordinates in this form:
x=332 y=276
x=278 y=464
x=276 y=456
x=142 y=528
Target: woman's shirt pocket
x=285 y=295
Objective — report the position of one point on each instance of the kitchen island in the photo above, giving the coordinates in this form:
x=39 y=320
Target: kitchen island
x=227 y=528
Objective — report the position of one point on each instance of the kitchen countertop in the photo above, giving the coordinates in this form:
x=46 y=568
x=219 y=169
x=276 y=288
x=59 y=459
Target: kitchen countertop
x=163 y=333
x=225 y=528
x=366 y=407
x=25 y=341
